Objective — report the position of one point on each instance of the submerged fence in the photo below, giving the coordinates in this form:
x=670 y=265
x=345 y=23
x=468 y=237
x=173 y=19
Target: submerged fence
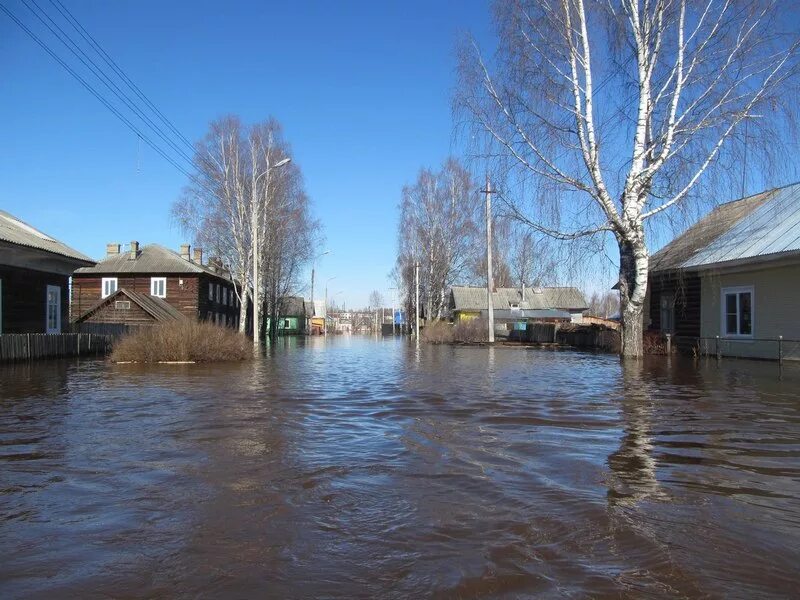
x=33 y=346
x=774 y=348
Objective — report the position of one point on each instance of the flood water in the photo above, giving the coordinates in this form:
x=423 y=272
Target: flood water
x=358 y=468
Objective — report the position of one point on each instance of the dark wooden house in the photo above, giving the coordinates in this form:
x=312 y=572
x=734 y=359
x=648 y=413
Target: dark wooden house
x=180 y=280
x=131 y=308
x=34 y=278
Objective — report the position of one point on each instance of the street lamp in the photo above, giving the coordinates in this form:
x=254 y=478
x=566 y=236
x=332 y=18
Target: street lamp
x=313 y=267
x=326 y=302
x=256 y=219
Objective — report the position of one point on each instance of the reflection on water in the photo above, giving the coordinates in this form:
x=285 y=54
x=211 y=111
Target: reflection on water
x=353 y=467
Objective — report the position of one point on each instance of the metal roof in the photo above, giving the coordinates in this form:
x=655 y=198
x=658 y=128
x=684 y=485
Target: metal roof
x=292 y=306
x=763 y=225
x=18 y=232
x=158 y=308
x=152 y=259
x=474 y=298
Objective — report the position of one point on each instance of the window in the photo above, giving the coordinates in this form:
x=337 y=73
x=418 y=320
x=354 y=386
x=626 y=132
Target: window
x=122 y=305
x=53 y=315
x=109 y=286
x=219 y=293
x=286 y=323
x=210 y=291
x=667 y=313
x=737 y=312
x=158 y=287
x=225 y=296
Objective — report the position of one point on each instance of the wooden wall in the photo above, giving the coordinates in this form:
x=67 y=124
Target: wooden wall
x=25 y=299
x=189 y=297
x=135 y=315
x=686 y=288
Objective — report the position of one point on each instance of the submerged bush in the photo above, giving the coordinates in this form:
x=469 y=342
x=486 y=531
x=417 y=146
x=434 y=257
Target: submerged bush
x=182 y=341
x=468 y=331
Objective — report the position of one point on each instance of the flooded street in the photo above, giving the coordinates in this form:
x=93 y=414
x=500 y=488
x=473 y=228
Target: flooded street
x=355 y=468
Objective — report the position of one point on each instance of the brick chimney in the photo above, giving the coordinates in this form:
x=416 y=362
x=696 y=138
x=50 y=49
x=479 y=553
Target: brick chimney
x=198 y=256
x=186 y=252
x=134 y=250
x=112 y=249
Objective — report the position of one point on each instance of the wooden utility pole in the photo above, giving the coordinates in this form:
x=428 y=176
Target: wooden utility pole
x=416 y=300
x=489 y=279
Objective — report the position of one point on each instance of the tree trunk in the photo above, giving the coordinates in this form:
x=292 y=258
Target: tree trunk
x=243 y=307
x=633 y=266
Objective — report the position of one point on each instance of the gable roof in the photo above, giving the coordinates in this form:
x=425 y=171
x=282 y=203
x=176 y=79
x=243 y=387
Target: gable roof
x=18 y=232
x=158 y=308
x=764 y=225
x=292 y=306
x=152 y=259
x=474 y=298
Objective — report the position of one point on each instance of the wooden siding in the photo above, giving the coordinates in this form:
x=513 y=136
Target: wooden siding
x=190 y=297
x=24 y=299
x=686 y=289
x=135 y=315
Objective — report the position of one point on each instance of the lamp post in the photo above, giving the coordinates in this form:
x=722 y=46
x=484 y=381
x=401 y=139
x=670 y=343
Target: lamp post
x=255 y=210
x=313 y=268
x=326 y=303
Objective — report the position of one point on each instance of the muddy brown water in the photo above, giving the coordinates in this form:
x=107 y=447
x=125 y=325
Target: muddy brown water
x=358 y=468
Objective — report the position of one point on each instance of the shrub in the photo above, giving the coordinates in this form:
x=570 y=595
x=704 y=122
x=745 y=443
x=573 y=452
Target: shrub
x=182 y=341
x=654 y=343
x=441 y=332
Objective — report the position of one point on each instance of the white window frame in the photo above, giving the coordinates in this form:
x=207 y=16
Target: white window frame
x=742 y=289
x=108 y=280
x=154 y=281
x=57 y=325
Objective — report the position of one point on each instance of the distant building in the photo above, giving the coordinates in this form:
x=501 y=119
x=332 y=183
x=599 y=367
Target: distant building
x=519 y=304
x=734 y=274
x=293 y=316
x=179 y=280
x=34 y=278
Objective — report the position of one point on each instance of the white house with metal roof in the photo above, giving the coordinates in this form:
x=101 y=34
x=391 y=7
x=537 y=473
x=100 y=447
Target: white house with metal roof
x=735 y=275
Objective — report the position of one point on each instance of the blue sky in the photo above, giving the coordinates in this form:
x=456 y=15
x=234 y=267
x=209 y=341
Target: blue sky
x=363 y=90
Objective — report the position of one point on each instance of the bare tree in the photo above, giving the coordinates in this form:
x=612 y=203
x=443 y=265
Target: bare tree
x=613 y=110
x=439 y=229
x=237 y=196
x=215 y=206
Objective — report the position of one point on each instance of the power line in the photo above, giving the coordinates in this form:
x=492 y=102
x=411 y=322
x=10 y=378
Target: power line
x=79 y=53
x=117 y=69
x=94 y=92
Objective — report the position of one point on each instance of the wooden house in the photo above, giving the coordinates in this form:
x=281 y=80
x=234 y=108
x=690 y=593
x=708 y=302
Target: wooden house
x=179 y=280
x=293 y=316
x=34 y=278
x=734 y=275
x=131 y=308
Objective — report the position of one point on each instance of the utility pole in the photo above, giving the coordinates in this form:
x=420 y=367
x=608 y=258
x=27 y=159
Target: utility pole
x=489 y=279
x=416 y=300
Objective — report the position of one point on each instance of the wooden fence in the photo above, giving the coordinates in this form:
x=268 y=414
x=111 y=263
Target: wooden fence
x=34 y=346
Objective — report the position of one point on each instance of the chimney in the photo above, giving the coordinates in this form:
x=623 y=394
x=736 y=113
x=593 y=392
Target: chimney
x=112 y=249
x=186 y=252
x=198 y=256
x=134 y=251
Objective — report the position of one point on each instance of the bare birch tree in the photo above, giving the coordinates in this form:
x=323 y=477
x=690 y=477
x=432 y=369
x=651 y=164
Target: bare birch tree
x=613 y=110
x=439 y=229
x=215 y=206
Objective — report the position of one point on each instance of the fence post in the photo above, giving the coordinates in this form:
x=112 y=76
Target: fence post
x=719 y=353
x=669 y=343
x=780 y=349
